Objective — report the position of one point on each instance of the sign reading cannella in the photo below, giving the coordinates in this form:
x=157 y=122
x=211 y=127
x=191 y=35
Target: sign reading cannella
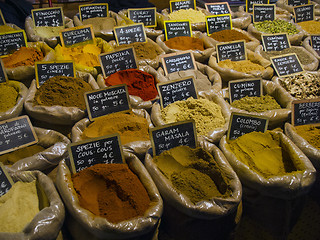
x=235 y=51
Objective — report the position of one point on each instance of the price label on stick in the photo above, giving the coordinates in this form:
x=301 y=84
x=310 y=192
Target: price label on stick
x=176 y=5
x=218 y=23
x=275 y=42
x=235 y=51
x=297 y=2
x=241 y=124
x=305 y=112
x=3 y=74
x=264 y=12
x=106 y=101
x=2 y=21
x=241 y=88
x=130 y=34
x=172 y=135
x=147 y=16
x=6 y=181
x=303 y=13
x=12 y=41
x=177 y=29
x=218 y=8
x=315 y=43
x=93 y=10
x=176 y=62
x=286 y=64
x=47 y=17
x=106 y=149
x=250 y=3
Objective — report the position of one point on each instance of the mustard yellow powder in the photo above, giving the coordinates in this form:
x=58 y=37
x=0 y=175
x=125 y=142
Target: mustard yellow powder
x=8 y=96
x=312 y=27
x=244 y=66
x=188 y=14
x=310 y=133
x=6 y=28
x=48 y=32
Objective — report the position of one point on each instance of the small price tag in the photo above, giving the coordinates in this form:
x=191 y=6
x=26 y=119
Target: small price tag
x=303 y=13
x=177 y=90
x=46 y=70
x=218 y=8
x=84 y=154
x=177 y=29
x=286 y=64
x=241 y=124
x=2 y=21
x=176 y=5
x=297 y=2
x=76 y=35
x=6 y=181
x=275 y=42
x=176 y=62
x=130 y=34
x=108 y=100
x=241 y=88
x=315 y=43
x=16 y=133
x=147 y=16
x=172 y=135
x=305 y=112
x=3 y=73
x=93 y=10
x=12 y=41
x=218 y=23
x=235 y=51
x=250 y=3
x=264 y=12
x=47 y=17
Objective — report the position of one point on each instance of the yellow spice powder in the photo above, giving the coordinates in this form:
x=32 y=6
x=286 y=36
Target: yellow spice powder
x=244 y=66
x=188 y=14
x=312 y=27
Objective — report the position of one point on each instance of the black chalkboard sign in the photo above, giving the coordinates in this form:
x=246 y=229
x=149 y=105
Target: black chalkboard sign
x=106 y=149
x=6 y=181
x=172 y=135
x=3 y=74
x=16 y=133
x=2 y=21
x=286 y=64
x=303 y=13
x=297 y=2
x=264 y=12
x=177 y=29
x=235 y=51
x=46 y=70
x=176 y=5
x=108 y=100
x=12 y=41
x=76 y=35
x=275 y=42
x=130 y=34
x=242 y=88
x=241 y=124
x=218 y=23
x=147 y=16
x=176 y=62
x=115 y=61
x=218 y=8
x=315 y=43
x=305 y=112
x=250 y=3
x=93 y=10
x=177 y=90
x=51 y=17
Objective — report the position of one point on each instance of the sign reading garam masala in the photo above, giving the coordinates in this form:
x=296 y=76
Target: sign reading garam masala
x=176 y=5
x=250 y=3
x=172 y=135
x=108 y=100
x=218 y=8
x=47 y=17
x=177 y=29
x=286 y=64
x=106 y=149
x=235 y=51
x=315 y=43
x=75 y=35
x=305 y=111
x=297 y=2
x=275 y=42
x=93 y=10
x=303 y=13
x=3 y=73
x=12 y=41
x=2 y=21
x=16 y=133
x=218 y=23
x=241 y=88
x=147 y=16
x=241 y=124
x=175 y=62
x=46 y=70
x=6 y=181
x=130 y=34
x=264 y=12
x=177 y=90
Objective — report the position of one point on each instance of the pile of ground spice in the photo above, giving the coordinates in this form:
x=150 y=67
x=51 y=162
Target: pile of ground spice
x=229 y=35
x=310 y=133
x=25 y=56
x=244 y=66
x=143 y=50
x=8 y=97
x=256 y=104
x=185 y=43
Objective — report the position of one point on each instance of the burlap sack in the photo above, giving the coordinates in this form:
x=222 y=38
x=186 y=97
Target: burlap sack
x=135 y=101
x=84 y=225
x=56 y=114
x=212 y=75
x=284 y=4
x=200 y=56
x=33 y=37
x=307 y=67
x=240 y=18
x=228 y=74
x=48 y=222
x=139 y=148
x=274 y=203
x=27 y=73
x=214 y=135
x=185 y=220
x=17 y=109
x=209 y=42
x=106 y=34
x=307 y=45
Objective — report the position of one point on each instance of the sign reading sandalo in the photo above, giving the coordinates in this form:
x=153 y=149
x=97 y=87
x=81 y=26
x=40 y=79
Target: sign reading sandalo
x=130 y=34
x=52 y=17
x=76 y=35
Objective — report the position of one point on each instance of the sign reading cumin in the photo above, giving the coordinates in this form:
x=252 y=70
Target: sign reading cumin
x=242 y=88
x=275 y=42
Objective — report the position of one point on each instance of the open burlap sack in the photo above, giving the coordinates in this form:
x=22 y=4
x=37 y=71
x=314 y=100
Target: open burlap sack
x=85 y=225
x=17 y=109
x=106 y=34
x=212 y=136
x=34 y=37
x=240 y=18
x=276 y=202
x=25 y=74
x=138 y=148
x=185 y=220
x=47 y=223
x=56 y=114
x=202 y=71
x=200 y=56
x=284 y=4
x=228 y=74
x=307 y=45
x=136 y=101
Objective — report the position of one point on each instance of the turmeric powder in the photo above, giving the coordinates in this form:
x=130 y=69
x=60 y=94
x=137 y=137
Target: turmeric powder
x=9 y=96
x=310 y=133
x=6 y=28
x=25 y=56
